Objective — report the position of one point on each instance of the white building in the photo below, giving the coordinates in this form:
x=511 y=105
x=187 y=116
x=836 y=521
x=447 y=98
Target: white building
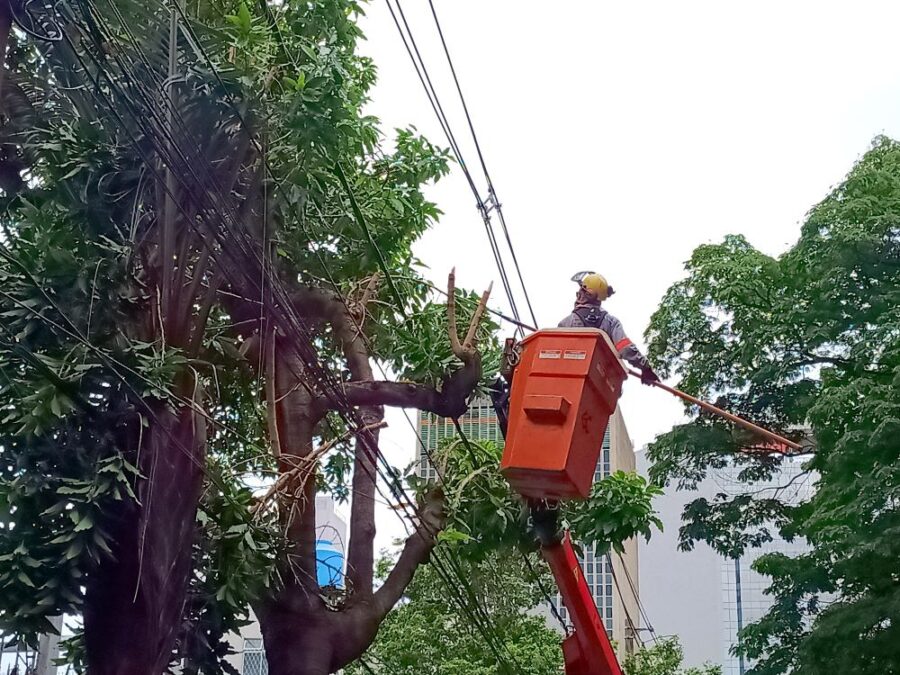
x=698 y=595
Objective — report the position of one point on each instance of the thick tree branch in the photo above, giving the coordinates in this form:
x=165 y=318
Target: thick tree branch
x=361 y=546
x=295 y=434
x=450 y=401
x=416 y=551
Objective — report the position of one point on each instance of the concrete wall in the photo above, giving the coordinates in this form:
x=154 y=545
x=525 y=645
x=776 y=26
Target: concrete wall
x=626 y=587
x=681 y=591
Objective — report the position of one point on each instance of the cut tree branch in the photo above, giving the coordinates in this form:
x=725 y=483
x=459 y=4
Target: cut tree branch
x=450 y=400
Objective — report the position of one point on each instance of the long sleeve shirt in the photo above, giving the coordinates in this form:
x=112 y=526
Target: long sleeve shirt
x=593 y=316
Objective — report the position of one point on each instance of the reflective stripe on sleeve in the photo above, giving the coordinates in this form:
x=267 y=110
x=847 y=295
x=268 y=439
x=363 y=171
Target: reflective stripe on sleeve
x=621 y=344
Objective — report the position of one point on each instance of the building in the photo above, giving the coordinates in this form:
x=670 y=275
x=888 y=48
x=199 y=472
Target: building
x=703 y=597
x=613 y=579
x=479 y=423
x=331 y=531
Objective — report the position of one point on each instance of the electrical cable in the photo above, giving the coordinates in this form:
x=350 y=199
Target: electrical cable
x=635 y=627
x=164 y=127
x=551 y=602
x=634 y=591
x=491 y=191
x=414 y=53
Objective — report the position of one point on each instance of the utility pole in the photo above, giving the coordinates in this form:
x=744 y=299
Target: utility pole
x=742 y=669
x=48 y=649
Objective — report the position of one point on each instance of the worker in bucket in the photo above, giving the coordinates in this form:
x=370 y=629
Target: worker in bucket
x=588 y=313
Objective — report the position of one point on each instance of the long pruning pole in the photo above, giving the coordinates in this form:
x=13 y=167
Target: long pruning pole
x=741 y=422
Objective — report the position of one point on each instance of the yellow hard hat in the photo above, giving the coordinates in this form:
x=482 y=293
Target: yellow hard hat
x=594 y=284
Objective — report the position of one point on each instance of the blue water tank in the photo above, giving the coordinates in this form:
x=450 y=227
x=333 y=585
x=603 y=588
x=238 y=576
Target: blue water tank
x=329 y=563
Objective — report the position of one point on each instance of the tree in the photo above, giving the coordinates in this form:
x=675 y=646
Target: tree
x=664 y=658
x=425 y=634
x=807 y=343
x=490 y=536
x=204 y=249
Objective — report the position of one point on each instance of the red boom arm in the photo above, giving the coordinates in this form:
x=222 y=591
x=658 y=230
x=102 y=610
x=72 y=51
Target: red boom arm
x=588 y=650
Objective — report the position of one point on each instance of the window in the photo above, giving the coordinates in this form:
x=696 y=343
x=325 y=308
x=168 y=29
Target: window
x=254 y=658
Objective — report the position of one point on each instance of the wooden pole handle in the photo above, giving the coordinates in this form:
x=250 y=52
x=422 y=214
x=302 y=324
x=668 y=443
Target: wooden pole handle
x=750 y=426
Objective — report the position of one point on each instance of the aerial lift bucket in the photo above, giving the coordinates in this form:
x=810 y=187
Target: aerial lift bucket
x=566 y=386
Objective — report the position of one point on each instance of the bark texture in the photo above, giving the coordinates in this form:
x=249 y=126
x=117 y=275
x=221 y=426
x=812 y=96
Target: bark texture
x=303 y=634
x=134 y=599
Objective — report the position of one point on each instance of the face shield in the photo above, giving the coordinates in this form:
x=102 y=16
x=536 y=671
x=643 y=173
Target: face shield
x=579 y=276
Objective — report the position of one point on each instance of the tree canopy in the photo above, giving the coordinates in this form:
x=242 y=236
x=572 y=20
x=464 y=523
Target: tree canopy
x=808 y=343
x=205 y=257
x=665 y=657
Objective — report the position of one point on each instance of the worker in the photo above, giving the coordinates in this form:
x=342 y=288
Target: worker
x=592 y=291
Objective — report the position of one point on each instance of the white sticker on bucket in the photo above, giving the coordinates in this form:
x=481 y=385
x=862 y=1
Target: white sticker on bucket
x=575 y=355
x=550 y=354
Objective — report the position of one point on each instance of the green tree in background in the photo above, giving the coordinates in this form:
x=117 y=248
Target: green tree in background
x=426 y=634
x=665 y=657
x=807 y=343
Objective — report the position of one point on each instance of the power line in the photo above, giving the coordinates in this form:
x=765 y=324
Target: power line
x=492 y=194
x=634 y=626
x=637 y=597
x=551 y=602
x=484 y=209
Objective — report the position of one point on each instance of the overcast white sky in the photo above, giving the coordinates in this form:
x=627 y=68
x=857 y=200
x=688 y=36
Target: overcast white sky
x=620 y=136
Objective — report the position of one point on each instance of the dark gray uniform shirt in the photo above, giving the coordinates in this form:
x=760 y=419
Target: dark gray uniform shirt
x=593 y=316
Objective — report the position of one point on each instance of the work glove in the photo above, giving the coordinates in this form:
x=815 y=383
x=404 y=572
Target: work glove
x=648 y=376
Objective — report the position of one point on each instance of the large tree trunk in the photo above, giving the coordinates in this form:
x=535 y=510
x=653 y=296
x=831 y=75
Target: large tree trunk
x=302 y=636
x=134 y=599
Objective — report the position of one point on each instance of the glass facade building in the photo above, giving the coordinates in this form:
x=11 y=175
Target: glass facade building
x=480 y=422
x=743 y=590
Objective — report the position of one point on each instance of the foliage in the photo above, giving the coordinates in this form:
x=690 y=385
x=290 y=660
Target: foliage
x=809 y=343
x=422 y=351
x=426 y=634
x=484 y=515
x=233 y=564
x=664 y=658
x=267 y=110
x=619 y=508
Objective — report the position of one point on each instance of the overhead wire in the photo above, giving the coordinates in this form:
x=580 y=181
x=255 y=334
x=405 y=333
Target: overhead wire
x=425 y=79
x=495 y=204
x=490 y=184
x=648 y=626
x=394 y=482
x=113 y=85
x=635 y=626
